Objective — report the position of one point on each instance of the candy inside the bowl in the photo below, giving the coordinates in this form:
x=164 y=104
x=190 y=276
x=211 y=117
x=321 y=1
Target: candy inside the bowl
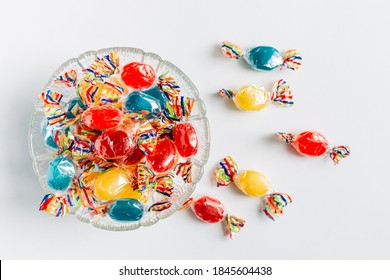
x=123 y=141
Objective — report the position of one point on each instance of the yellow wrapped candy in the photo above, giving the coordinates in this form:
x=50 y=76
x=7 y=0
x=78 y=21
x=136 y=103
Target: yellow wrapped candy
x=255 y=98
x=115 y=183
x=251 y=98
x=250 y=182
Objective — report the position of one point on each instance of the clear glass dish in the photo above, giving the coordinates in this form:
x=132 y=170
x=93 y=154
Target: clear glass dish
x=41 y=154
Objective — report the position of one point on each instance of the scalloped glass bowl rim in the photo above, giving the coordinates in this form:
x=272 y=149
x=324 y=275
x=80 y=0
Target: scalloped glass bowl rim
x=81 y=213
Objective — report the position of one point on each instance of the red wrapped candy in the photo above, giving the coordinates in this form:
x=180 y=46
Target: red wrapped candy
x=134 y=156
x=163 y=157
x=314 y=144
x=185 y=139
x=208 y=209
x=138 y=75
x=113 y=144
x=211 y=210
x=103 y=117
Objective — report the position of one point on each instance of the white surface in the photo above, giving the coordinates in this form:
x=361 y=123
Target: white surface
x=338 y=211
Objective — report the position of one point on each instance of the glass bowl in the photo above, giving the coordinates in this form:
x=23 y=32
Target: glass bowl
x=41 y=154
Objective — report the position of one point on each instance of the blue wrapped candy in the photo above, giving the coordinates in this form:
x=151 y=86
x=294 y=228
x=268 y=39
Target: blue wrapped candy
x=75 y=107
x=139 y=103
x=158 y=95
x=60 y=173
x=126 y=210
x=263 y=58
x=49 y=134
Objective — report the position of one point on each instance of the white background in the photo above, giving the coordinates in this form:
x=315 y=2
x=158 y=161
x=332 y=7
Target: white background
x=339 y=212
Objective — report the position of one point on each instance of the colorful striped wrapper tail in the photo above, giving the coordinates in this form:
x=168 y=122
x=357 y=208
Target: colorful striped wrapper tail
x=179 y=107
x=144 y=176
x=184 y=170
x=287 y=137
x=160 y=206
x=186 y=204
x=68 y=79
x=82 y=150
x=226 y=171
x=97 y=92
x=56 y=205
x=164 y=185
x=274 y=204
x=338 y=153
x=105 y=66
x=292 y=59
x=234 y=225
x=226 y=93
x=84 y=197
x=147 y=142
x=231 y=50
x=65 y=141
x=168 y=86
x=54 y=111
x=281 y=93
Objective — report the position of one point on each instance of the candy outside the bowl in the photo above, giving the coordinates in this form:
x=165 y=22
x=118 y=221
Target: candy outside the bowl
x=314 y=144
x=263 y=58
x=210 y=210
x=115 y=149
x=251 y=183
x=255 y=98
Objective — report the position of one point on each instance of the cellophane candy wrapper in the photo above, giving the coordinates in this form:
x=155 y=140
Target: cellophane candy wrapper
x=314 y=144
x=119 y=137
x=210 y=210
x=263 y=58
x=251 y=183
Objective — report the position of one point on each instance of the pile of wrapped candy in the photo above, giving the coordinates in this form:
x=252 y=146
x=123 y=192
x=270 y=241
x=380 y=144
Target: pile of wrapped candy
x=123 y=137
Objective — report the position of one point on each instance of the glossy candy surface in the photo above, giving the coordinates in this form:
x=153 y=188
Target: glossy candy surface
x=314 y=144
x=141 y=103
x=251 y=98
x=103 y=117
x=263 y=58
x=126 y=210
x=60 y=173
x=138 y=75
x=157 y=94
x=115 y=183
x=164 y=156
x=49 y=134
x=113 y=144
x=134 y=156
x=185 y=139
x=252 y=183
x=208 y=209
x=311 y=143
